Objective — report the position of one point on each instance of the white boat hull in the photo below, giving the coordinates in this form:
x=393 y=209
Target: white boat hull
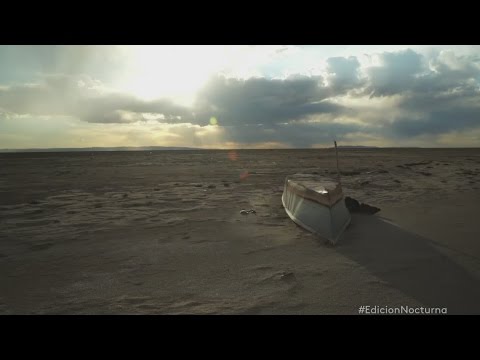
x=325 y=221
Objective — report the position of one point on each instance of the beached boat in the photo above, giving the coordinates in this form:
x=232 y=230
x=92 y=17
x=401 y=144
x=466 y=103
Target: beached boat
x=317 y=204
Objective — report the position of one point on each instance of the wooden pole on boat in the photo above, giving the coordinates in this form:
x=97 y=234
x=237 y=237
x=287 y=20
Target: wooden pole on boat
x=338 y=168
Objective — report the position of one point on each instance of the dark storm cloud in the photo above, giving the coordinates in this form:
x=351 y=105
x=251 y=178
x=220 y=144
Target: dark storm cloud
x=437 y=122
x=437 y=95
x=82 y=97
x=231 y=101
x=343 y=73
x=407 y=73
x=428 y=111
x=395 y=74
x=263 y=101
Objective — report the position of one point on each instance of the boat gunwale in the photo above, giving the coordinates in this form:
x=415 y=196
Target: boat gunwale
x=330 y=199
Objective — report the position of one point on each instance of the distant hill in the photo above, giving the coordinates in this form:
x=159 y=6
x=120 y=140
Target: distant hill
x=356 y=147
x=90 y=149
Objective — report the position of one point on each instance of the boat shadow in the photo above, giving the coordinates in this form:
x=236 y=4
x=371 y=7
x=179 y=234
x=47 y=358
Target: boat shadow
x=411 y=264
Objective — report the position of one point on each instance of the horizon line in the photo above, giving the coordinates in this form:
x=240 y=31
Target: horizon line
x=185 y=148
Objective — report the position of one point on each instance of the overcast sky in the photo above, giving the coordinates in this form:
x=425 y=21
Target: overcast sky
x=239 y=96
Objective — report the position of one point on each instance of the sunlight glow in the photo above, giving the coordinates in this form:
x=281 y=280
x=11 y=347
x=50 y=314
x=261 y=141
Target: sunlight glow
x=171 y=71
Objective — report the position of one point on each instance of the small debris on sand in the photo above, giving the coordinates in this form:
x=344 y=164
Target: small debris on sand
x=287 y=276
x=246 y=212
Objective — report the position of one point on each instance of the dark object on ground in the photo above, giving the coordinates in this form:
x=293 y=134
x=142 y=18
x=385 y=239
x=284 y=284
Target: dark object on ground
x=350 y=173
x=246 y=212
x=418 y=163
x=211 y=186
x=354 y=206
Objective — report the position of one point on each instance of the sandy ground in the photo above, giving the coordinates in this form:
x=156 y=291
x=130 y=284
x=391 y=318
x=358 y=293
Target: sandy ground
x=162 y=233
